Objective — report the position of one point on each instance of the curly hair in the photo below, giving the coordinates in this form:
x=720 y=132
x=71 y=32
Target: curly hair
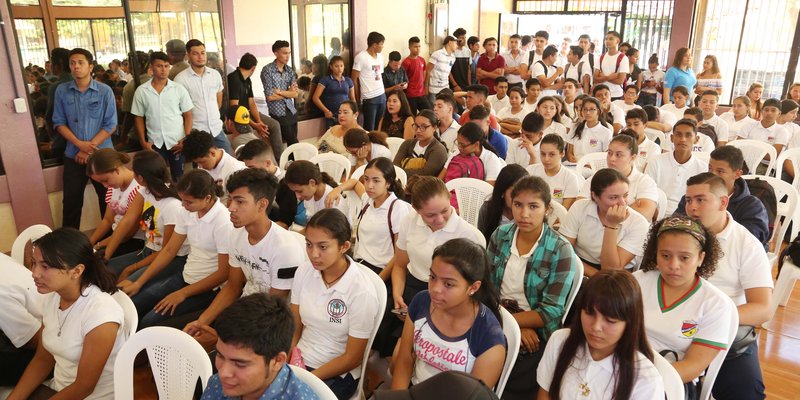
x=712 y=250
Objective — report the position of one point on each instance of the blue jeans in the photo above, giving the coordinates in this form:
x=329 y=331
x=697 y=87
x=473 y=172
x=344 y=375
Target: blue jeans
x=343 y=388
x=117 y=264
x=372 y=110
x=152 y=294
x=175 y=162
x=740 y=377
x=221 y=141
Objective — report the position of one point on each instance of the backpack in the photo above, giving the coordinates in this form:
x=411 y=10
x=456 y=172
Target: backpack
x=619 y=61
x=580 y=71
x=764 y=192
x=462 y=166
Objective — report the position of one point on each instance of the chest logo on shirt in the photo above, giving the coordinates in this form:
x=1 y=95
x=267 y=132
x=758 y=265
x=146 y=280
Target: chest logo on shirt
x=689 y=328
x=558 y=193
x=593 y=142
x=336 y=310
x=377 y=70
x=643 y=154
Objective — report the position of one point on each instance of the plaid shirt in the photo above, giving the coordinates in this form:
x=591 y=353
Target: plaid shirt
x=273 y=79
x=548 y=275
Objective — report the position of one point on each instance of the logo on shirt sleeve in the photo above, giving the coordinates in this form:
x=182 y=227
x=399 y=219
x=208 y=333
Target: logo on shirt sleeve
x=336 y=310
x=689 y=328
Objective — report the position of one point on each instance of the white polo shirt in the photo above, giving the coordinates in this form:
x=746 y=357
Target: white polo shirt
x=511 y=61
x=599 y=376
x=374 y=245
x=419 y=241
x=513 y=284
x=583 y=224
x=519 y=155
x=440 y=74
x=774 y=135
x=376 y=150
x=734 y=126
x=671 y=177
x=541 y=69
x=162 y=112
x=20 y=301
x=203 y=90
x=617 y=113
x=609 y=66
x=226 y=166
x=492 y=164
x=499 y=104
x=270 y=263
x=624 y=106
x=647 y=150
x=449 y=136
x=669 y=114
x=556 y=128
x=592 y=140
x=314 y=206
x=331 y=315
x=699 y=317
x=208 y=237
x=370 y=71
x=564 y=185
x=743 y=265
x=721 y=127
x=640 y=186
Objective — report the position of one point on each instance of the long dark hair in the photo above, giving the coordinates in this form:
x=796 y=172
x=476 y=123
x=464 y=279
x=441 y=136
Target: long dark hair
x=152 y=168
x=386 y=167
x=601 y=117
x=617 y=295
x=469 y=259
x=65 y=248
x=474 y=133
x=335 y=223
x=403 y=113
x=301 y=172
x=199 y=184
x=509 y=175
x=557 y=116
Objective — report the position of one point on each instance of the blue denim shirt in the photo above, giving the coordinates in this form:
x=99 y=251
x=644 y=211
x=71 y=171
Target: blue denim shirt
x=274 y=79
x=286 y=386
x=85 y=114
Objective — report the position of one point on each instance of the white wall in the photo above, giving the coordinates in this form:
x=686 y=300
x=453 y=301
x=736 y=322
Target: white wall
x=254 y=26
x=463 y=14
x=398 y=20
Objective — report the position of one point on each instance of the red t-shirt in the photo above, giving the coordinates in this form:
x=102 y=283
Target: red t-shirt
x=490 y=65
x=415 y=69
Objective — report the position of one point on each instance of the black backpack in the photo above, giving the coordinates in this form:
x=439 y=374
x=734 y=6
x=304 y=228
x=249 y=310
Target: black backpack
x=764 y=192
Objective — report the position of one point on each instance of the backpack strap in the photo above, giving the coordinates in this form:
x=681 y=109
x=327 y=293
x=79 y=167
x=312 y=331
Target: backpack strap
x=619 y=61
x=591 y=61
x=358 y=220
x=543 y=66
x=389 y=217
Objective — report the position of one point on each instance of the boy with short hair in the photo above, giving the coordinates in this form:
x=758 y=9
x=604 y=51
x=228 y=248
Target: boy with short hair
x=481 y=115
x=636 y=120
x=499 y=100
x=394 y=76
x=708 y=104
x=629 y=98
x=603 y=93
x=490 y=64
x=524 y=150
x=516 y=62
x=437 y=72
x=570 y=92
x=613 y=67
x=366 y=74
x=199 y=148
x=548 y=74
x=767 y=130
x=476 y=96
x=578 y=69
x=460 y=74
x=705 y=134
x=474 y=45
x=533 y=88
x=540 y=39
x=414 y=66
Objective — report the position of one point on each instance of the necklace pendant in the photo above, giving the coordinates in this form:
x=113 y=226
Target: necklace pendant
x=585 y=389
x=59 y=333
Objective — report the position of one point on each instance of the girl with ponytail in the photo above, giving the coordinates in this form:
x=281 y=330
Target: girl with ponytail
x=312 y=187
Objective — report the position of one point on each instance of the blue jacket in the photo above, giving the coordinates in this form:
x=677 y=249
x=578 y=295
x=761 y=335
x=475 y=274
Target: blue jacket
x=498 y=140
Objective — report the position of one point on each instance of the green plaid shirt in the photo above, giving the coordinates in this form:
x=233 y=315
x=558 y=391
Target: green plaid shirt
x=548 y=275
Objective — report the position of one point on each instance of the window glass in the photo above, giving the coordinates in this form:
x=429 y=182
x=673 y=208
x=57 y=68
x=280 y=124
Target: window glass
x=32 y=43
x=88 y=3
x=105 y=38
x=24 y=2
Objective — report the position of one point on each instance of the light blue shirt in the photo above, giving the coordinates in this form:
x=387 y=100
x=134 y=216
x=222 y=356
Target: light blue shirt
x=286 y=386
x=86 y=113
x=163 y=112
x=677 y=77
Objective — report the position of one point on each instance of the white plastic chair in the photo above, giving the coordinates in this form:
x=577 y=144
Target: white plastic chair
x=784 y=285
x=335 y=165
x=301 y=151
x=673 y=384
x=591 y=162
x=30 y=234
x=716 y=363
x=176 y=359
x=754 y=151
x=658 y=137
x=662 y=204
x=317 y=385
x=471 y=193
x=792 y=155
x=557 y=214
x=129 y=309
x=380 y=289
x=577 y=280
x=394 y=145
x=513 y=339
x=787 y=212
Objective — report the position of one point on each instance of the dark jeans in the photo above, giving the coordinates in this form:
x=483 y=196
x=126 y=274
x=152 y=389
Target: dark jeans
x=372 y=110
x=288 y=125
x=391 y=327
x=740 y=377
x=74 y=184
x=343 y=388
x=117 y=264
x=174 y=161
x=148 y=297
x=419 y=103
x=522 y=378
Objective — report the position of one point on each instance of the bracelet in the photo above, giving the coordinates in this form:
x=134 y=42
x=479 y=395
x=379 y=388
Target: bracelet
x=616 y=228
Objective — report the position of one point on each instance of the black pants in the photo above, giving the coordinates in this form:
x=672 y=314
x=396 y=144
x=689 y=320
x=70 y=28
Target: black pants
x=740 y=377
x=391 y=327
x=74 y=183
x=522 y=382
x=288 y=128
x=419 y=103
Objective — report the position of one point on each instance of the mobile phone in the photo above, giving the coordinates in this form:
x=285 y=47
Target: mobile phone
x=400 y=311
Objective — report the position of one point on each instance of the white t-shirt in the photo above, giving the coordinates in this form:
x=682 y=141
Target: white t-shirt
x=511 y=62
x=92 y=309
x=20 y=301
x=506 y=112
x=670 y=114
x=377 y=150
x=226 y=166
x=270 y=263
x=519 y=155
x=592 y=140
x=720 y=126
x=625 y=107
x=370 y=74
x=577 y=72
x=743 y=265
x=374 y=245
x=513 y=285
x=640 y=186
x=208 y=237
x=734 y=126
x=607 y=64
x=794 y=134
x=700 y=316
x=419 y=241
x=118 y=200
x=541 y=69
x=499 y=104
x=442 y=64
x=583 y=224
x=156 y=214
x=564 y=185
x=671 y=177
x=617 y=113
x=556 y=128
x=314 y=206
x=331 y=315
x=599 y=376
x=774 y=135
x=657 y=77
x=492 y=164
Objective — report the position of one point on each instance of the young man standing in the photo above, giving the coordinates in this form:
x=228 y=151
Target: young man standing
x=163 y=114
x=548 y=74
x=499 y=100
x=199 y=148
x=708 y=104
x=613 y=67
x=577 y=69
x=394 y=75
x=85 y=114
x=460 y=75
x=474 y=45
x=205 y=89
x=490 y=65
x=585 y=42
x=414 y=65
x=437 y=73
x=280 y=89
x=366 y=74
x=516 y=62
x=540 y=39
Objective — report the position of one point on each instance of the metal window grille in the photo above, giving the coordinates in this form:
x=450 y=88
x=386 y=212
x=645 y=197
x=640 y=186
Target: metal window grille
x=32 y=44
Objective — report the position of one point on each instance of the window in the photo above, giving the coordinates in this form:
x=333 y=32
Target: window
x=105 y=38
x=152 y=29
x=32 y=45
x=206 y=27
x=88 y=3
x=648 y=25
x=751 y=40
x=24 y=2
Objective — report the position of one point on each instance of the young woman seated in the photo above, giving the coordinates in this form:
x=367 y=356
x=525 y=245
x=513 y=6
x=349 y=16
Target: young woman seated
x=423 y=154
x=497 y=210
x=333 y=139
x=397 y=119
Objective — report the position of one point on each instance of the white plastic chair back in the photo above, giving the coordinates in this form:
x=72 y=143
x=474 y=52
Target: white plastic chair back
x=557 y=214
x=335 y=165
x=704 y=156
x=394 y=145
x=658 y=137
x=673 y=384
x=317 y=385
x=754 y=151
x=787 y=211
x=591 y=162
x=176 y=359
x=513 y=340
x=380 y=289
x=793 y=155
x=716 y=363
x=30 y=234
x=301 y=151
x=131 y=316
x=471 y=193
x=662 y=204
x=577 y=280
x=784 y=285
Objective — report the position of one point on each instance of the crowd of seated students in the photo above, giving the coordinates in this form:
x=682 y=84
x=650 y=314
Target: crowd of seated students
x=212 y=251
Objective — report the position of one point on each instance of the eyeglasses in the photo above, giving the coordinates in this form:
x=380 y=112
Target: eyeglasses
x=420 y=127
x=462 y=145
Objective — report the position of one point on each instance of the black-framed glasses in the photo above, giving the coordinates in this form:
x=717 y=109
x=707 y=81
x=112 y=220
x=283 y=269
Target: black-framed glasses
x=420 y=127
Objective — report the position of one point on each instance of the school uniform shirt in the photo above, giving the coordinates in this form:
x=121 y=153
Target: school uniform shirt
x=774 y=135
x=720 y=127
x=592 y=140
x=513 y=62
x=670 y=114
x=314 y=206
x=541 y=69
x=499 y=104
x=794 y=134
x=582 y=223
x=156 y=215
x=20 y=301
x=640 y=186
x=671 y=177
x=577 y=72
x=492 y=164
x=374 y=245
x=437 y=353
x=226 y=166
x=162 y=112
x=331 y=314
x=270 y=263
x=506 y=112
x=698 y=317
x=597 y=379
x=203 y=89
x=449 y=136
x=415 y=70
x=625 y=107
x=119 y=199
x=565 y=184
x=370 y=69
x=617 y=113
x=376 y=150
x=519 y=155
x=419 y=241
x=743 y=265
x=607 y=64
x=647 y=150
x=650 y=76
x=556 y=128
x=513 y=285
x=440 y=74
x=734 y=126
x=92 y=309
x=208 y=236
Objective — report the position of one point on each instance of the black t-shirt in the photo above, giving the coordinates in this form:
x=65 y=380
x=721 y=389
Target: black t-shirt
x=239 y=88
